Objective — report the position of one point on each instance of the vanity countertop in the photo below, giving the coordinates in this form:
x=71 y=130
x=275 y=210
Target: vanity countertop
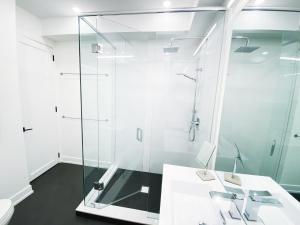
x=185 y=199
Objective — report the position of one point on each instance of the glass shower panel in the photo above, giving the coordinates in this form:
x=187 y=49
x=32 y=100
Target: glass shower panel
x=128 y=186
x=257 y=102
x=97 y=98
x=183 y=108
x=88 y=73
x=288 y=175
x=165 y=92
x=112 y=143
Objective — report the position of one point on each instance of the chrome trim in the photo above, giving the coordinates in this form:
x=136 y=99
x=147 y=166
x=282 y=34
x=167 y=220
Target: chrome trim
x=278 y=9
x=273 y=147
x=78 y=118
x=153 y=11
x=97 y=32
x=83 y=74
x=139 y=134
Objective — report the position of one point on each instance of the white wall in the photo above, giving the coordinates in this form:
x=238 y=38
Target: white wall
x=149 y=95
x=28 y=25
x=67 y=61
x=264 y=20
x=36 y=72
x=13 y=168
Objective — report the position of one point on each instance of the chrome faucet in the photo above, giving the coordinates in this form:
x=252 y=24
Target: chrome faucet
x=237 y=201
x=254 y=202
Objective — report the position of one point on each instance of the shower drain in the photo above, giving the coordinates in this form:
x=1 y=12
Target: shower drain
x=145 y=189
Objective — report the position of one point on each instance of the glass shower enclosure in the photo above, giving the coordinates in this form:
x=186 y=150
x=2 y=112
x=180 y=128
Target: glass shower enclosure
x=261 y=105
x=148 y=90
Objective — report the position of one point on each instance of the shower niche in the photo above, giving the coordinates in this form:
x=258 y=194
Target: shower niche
x=148 y=90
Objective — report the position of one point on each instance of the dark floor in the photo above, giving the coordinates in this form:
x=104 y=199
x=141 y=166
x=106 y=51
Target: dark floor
x=124 y=189
x=296 y=196
x=59 y=191
x=56 y=195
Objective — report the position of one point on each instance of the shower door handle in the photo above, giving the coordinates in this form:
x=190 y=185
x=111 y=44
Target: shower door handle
x=273 y=148
x=139 y=134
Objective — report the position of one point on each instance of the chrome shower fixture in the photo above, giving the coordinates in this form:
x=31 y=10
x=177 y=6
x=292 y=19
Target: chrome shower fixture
x=187 y=76
x=195 y=122
x=175 y=49
x=168 y=50
x=246 y=48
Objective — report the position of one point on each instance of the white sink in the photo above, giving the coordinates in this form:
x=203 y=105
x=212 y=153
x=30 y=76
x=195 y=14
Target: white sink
x=271 y=215
x=192 y=205
x=287 y=215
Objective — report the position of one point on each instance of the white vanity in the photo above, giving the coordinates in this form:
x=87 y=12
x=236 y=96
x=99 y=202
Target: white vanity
x=186 y=200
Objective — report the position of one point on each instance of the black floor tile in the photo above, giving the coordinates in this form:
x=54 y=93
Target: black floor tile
x=296 y=196
x=124 y=189
x=56 y=195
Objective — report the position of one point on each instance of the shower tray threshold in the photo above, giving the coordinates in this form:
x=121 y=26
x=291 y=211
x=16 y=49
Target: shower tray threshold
x=118 y=213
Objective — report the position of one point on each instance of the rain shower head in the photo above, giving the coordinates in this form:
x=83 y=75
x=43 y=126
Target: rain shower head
x=168 y=50
x=175 y=49
x=246 y=49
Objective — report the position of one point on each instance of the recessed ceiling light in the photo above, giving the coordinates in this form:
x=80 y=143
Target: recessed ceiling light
x=167 y=4
x=76 y=9
x=257 y=2
x=265 y=53
x=290 y=58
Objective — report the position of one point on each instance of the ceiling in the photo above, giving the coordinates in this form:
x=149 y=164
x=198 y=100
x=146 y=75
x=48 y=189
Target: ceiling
x=60 y=8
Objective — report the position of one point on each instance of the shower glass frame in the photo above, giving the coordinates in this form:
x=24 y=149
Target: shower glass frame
x=91 y=196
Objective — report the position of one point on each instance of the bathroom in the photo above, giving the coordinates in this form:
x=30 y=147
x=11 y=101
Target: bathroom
x=108 y=100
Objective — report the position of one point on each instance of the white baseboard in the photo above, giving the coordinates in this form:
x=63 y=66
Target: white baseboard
x=42 y=169
x=88 y=162
x=291 y=188
x=21 y=195
x=70 y=159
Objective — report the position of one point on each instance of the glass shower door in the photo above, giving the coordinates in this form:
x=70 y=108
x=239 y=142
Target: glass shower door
x=257 y=102
x=112 y=144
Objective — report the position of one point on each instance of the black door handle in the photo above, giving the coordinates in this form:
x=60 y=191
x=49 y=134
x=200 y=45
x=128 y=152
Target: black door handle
x=24 y=129
x=296 y=136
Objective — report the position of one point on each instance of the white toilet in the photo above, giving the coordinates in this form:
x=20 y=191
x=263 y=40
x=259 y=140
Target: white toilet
x=6 y=211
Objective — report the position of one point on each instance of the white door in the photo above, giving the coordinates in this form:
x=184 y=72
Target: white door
x=38 y=96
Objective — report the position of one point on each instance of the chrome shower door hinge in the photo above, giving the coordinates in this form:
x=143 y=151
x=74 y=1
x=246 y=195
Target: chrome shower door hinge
x=98 y=186
x=96 y=48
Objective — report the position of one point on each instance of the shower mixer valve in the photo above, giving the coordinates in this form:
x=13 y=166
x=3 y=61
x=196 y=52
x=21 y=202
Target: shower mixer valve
x=196 y=122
